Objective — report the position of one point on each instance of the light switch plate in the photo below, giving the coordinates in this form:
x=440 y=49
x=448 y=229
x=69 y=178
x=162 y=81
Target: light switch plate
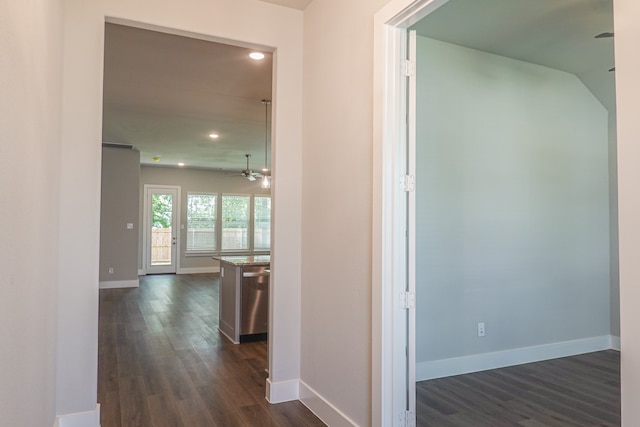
x=129 y=226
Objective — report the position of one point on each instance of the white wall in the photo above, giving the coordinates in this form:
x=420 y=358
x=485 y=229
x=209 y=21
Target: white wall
x=614 y=261
x=30 y=93
x=249 y=21
x=337 y=205
x=627 y=30
x=512 y=205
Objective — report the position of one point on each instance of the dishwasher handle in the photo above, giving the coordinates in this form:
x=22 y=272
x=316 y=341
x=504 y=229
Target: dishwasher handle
x=256 y=273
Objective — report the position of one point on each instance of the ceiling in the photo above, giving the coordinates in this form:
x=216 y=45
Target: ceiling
x=555 y=33
x=164 y=94
x=294 y=4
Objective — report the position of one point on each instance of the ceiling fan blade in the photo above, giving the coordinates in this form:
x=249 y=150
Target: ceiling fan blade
x=604 y=35
x=250 y=177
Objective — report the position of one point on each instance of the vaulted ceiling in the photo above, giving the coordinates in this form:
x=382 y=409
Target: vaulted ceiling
x=555 y=33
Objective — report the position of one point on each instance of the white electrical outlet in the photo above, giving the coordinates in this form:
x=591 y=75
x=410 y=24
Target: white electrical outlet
x=481 y=329
x=110 y=270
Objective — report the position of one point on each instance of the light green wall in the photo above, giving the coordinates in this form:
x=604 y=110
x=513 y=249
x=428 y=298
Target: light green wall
x=512 y=205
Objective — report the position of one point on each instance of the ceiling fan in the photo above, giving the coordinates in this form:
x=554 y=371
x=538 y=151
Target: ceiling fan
x=248 y=173
x=606 y=35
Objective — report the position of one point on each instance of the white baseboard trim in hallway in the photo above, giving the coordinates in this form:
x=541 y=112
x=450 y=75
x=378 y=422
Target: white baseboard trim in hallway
x=501 y=359
x=116 y=284
x=324 y=410
x=283 y=391
x=82 y=419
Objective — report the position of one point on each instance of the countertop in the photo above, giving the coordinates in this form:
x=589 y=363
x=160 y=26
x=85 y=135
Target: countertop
x=245 y=260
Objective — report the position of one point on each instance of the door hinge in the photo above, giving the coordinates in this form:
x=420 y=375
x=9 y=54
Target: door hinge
x=408 y=68
x=408 y=300
x=409 y=183
x=407 y=419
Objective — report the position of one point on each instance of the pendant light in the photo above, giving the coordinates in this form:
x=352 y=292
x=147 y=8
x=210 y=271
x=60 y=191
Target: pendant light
x=266 y=178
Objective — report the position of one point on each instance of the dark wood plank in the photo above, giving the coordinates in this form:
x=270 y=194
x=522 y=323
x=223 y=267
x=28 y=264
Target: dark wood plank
x=162 y=361
x=578 y=391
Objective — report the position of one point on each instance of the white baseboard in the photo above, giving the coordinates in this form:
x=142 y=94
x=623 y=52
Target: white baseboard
x=115 y=284
x=500 y=359
x=82 y=419
x=615 y=342
x=324 y=410
x=283 y=391
x=198 y=270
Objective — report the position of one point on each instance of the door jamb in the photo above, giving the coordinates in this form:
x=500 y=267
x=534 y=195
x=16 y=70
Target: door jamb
x=389 y=258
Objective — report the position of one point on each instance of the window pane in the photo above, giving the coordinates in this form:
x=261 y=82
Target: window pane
x=162 y=214
x=235 y=223
x=201 y=222
x=262 y=225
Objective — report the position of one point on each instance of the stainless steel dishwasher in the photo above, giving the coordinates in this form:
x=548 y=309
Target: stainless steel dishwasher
x=254 y=303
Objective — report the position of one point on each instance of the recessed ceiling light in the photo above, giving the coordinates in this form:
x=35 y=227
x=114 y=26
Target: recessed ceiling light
x=214 y=136
x=180 y=164
x=256 y=55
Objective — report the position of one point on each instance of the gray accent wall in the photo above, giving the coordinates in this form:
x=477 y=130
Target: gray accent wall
x=119 y=207
x=193 y=181
x=512 y=205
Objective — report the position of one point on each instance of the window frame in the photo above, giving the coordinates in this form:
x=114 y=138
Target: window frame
x=197 y=252
x=249 y=249
x=253 y=223
x=219 y=251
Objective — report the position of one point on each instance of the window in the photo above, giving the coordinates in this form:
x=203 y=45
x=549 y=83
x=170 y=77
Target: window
x=235 y=223
x=261 y=223
x=201 y=222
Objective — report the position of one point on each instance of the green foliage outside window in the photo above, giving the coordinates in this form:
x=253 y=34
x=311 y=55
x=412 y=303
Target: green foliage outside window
x=162 y=205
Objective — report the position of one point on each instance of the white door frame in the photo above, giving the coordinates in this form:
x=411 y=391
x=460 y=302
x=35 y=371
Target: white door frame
x=392 y=390
x=146 y=224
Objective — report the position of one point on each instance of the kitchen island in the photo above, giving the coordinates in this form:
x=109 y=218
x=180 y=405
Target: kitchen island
x=244 y=297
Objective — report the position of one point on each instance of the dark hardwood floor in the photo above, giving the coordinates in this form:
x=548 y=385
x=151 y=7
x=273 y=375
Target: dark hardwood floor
x=578 y=391
x=162 y=361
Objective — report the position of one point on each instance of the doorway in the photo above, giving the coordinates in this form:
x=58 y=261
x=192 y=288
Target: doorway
x=599 y=336
x=161 y=235
x=253 y=134
x=79 y=234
